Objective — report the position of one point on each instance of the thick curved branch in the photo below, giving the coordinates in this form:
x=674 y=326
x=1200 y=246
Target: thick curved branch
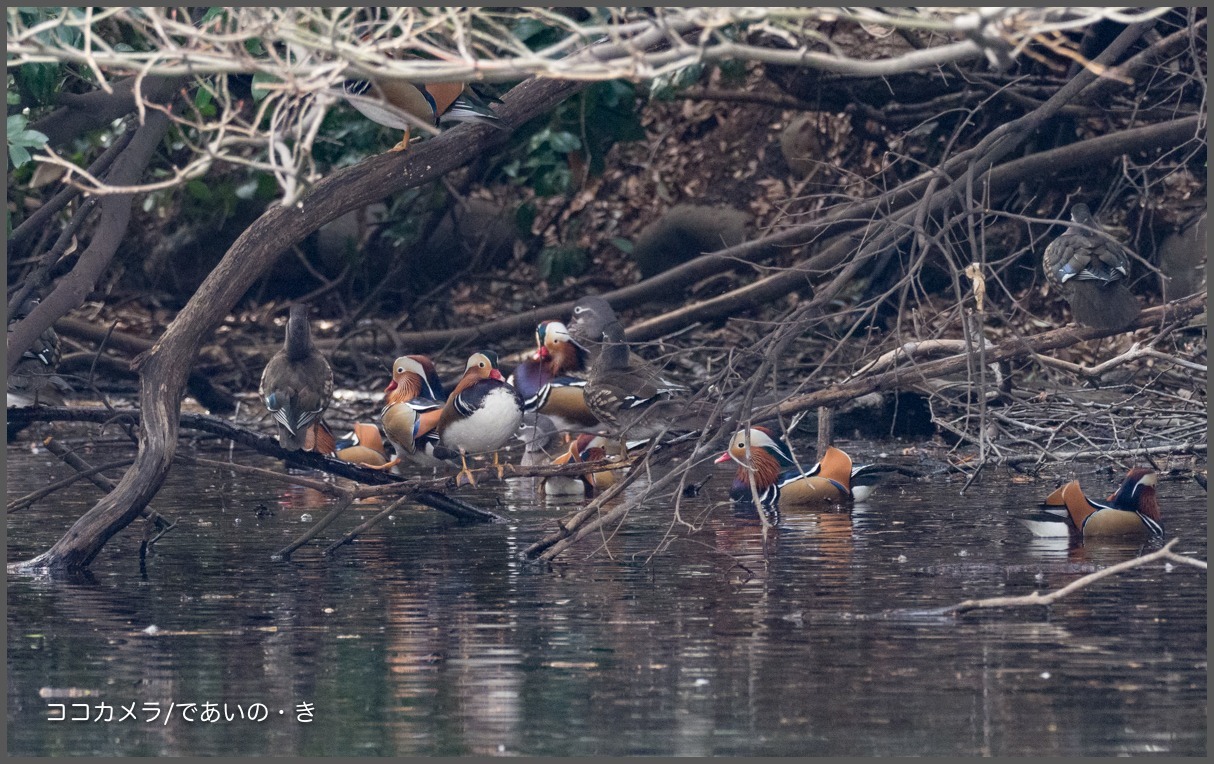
x=82 y=113
x=73 y=288
x=164 y=368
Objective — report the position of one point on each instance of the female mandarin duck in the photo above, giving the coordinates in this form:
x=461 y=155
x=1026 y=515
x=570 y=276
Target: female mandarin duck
x=414 y=402
x=1132 y=511
x=548 y=383
x=1090 y=270
x=779 y=482
x=627 y=394
x=297 y=384
x=482 y=413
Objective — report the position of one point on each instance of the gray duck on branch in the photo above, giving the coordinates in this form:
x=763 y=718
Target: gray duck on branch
x=34 y=381
x=627 y=394
x=297 y=384
x=1090 y=270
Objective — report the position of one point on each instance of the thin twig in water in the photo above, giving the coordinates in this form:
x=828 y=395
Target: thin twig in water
x=1036 y=598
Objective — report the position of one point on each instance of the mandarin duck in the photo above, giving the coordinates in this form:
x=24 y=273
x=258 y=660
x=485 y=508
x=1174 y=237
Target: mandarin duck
x=1132 y=511
x=413 y=404
x=779 y=482
x=297 y=384
x=587 y=447
x=363 y=446
x=549 y=383
x=626 y=393
x=482 y=413
x=34 y=381
x=391 y=103
x=1090 y=270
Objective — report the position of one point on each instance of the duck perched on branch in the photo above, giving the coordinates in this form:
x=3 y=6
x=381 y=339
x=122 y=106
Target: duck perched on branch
x=482 y=413
x=626 y=393
x=297 y=384
x=551 y=381
x=413 y=404
x=1090 y=269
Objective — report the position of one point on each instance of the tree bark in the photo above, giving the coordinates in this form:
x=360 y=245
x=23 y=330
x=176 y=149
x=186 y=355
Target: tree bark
x=163 y=369
x=73 y=288
x=81 y=113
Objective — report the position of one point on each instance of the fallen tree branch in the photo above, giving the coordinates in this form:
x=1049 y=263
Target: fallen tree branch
x=1013 y=348
x=1038 y=599
x=94 y=476
x=366 y=526
x=313 y=532
x=16 y=505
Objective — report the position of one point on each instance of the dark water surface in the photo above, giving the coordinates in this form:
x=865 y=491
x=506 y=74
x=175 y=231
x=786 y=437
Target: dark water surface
x=430 y=638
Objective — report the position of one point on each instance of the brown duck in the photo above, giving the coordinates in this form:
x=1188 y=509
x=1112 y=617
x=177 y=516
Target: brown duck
x=297 y=384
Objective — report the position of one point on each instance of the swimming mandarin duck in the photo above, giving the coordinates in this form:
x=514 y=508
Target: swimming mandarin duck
x=482 y=413
x=627 y=394
x=1090 y=269
x=413 y=405
x=297 y=384
x=1132 y=511
x=779 y=482
x=549 y=381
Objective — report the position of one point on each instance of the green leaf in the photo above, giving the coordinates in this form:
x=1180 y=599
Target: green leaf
x=623 y=245
x=555 y=263
x=563 y=142
x=18 y=155
x=258 y=88
x=199 y=190
x=30 y=138
x=38 y=82
x=212 y=13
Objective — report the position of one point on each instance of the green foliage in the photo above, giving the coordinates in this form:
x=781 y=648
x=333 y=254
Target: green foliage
x=21 y=139
x=666 y=86
x=556 y=263
x=624 y=245
x=260 y=80
x=604 y=114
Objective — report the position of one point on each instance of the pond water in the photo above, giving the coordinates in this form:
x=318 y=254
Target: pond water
x=430 y=638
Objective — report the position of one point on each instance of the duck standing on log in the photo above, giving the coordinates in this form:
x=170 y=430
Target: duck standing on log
x=297 y=384
x=1090 y=269
x=482 y=414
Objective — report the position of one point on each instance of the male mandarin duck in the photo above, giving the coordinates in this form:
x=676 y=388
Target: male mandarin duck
x=387 y=101
x=482 y=413
x=414 y=402
x=548 y=382
x=779 y=482
x=625 y=393
x=586 y=447
x=1090 y=270
x=414 y=376
x=363 y=446
x=1132 y=511
x=297 y=384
